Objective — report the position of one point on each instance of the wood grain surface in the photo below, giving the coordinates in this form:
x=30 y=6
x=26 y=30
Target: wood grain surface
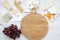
x=34 y=26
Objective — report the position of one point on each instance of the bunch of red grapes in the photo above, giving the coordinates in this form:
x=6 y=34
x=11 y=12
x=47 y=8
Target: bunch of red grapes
x=12 y=31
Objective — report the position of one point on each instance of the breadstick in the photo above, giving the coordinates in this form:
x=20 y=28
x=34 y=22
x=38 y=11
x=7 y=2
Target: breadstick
x=18 y=6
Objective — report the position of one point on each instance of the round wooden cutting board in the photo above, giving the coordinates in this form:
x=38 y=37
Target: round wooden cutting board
x=34 y=26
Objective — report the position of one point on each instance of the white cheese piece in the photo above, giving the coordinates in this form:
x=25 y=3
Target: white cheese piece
x=7 y=5
x=47 y=5
x=6 y=17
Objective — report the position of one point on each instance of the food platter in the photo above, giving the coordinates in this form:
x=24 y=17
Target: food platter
x=26 y=20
